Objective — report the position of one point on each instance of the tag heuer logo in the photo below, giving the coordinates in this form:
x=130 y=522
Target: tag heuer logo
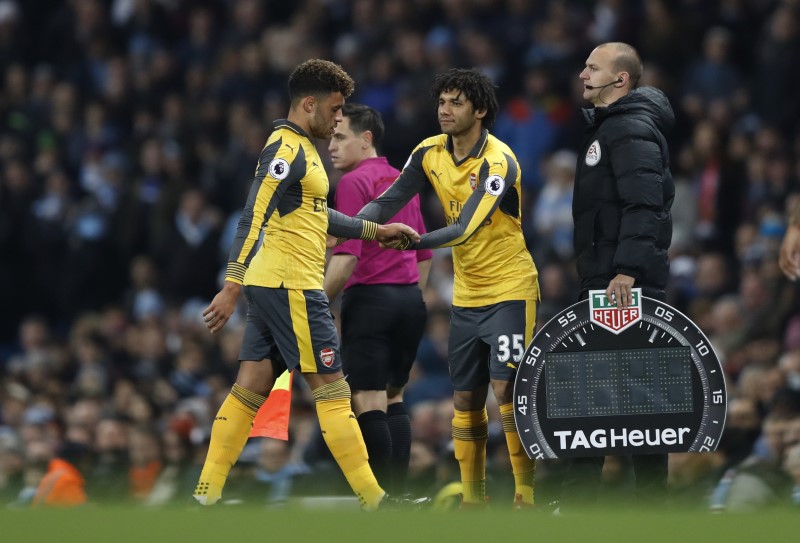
x=606 y=315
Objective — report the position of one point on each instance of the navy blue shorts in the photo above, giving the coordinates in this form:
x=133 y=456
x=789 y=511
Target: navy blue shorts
x=488 y=342
x=295 y=323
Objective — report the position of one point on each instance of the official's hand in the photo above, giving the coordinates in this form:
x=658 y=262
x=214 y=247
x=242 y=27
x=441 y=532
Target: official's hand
x=789 y=260
x=619 y=291
x=333 y=241
x=388 y=234
x=216 y=315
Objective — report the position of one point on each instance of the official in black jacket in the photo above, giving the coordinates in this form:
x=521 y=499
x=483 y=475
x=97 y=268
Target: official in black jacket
x=623 y=186
x=621 y=207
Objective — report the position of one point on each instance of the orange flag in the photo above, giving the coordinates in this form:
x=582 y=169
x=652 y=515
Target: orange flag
x=272 y=420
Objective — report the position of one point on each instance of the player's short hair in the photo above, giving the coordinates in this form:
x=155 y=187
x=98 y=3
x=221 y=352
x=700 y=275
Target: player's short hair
x=317 y=77
x=628 y=60
x=478 y=89
x=363 y=118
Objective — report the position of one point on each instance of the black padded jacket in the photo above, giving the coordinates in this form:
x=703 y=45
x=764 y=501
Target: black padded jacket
x=623 y=193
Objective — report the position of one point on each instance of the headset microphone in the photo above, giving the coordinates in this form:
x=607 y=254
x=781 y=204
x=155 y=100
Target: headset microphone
x=604 y=86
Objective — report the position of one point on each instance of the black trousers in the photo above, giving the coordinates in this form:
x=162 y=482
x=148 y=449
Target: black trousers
x=583 y=477
x=582 y=482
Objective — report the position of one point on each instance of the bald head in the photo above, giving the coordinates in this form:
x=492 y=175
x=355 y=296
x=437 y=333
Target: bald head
x=625 y=59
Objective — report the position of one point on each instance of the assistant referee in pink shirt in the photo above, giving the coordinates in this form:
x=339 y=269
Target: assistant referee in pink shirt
x=383 y=314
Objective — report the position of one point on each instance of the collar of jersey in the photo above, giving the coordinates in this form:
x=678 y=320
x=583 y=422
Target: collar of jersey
x=286 y=123
x=477 y=149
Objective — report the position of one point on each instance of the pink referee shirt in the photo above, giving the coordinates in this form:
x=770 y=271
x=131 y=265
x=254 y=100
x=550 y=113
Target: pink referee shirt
x=378 y=266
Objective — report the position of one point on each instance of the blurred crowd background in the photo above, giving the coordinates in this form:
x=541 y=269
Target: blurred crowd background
x=129 y=133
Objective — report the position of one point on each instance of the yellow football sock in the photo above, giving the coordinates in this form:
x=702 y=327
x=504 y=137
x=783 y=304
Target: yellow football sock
x=523 y=467
x=343 y=436
x=228 y=435
x=470 y=432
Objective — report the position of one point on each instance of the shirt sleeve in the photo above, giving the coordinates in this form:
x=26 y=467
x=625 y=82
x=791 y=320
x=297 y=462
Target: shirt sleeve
x=279 y=167
x=419 y=226
x=342 y=226
x=350 y=197
x=410 y=182
x=494 y=180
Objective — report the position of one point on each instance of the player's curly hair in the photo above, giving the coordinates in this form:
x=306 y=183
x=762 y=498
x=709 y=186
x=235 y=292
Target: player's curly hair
x=478 y=89
x=319 y=77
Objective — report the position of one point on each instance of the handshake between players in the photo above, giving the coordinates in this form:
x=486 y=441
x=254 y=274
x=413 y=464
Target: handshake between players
x=391 y=236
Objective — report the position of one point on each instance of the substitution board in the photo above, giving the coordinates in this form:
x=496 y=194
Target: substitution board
x=598 y=380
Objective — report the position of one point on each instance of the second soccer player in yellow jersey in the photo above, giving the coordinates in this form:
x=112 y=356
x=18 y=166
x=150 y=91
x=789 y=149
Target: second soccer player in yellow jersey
x=477 y=179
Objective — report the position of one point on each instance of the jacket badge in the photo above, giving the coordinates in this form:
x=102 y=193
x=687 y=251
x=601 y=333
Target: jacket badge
x=593 y=154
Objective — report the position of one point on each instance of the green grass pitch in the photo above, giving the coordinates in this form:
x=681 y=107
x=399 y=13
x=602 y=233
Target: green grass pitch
x=230 y=524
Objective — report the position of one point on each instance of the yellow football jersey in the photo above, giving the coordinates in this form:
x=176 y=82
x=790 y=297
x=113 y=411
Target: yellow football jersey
x=288 y=202
x=482 y=197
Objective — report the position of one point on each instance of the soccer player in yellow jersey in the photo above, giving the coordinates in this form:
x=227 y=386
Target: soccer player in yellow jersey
x=282 y=278
x=477 y=179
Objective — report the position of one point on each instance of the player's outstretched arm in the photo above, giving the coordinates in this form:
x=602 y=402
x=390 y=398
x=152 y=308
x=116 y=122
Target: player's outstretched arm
x=342 y=226
x=396 y=233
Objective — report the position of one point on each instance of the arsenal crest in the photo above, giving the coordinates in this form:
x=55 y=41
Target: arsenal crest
x=327 y=356
x=473 y=181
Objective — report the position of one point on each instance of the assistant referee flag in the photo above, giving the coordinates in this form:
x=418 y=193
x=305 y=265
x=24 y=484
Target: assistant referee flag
x=272 y=419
